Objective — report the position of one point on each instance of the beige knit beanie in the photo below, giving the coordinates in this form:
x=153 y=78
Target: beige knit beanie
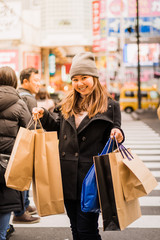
x=84 y=64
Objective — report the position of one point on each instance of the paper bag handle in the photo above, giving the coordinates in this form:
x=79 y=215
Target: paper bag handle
x=107 y=147
x=38 y=120
x=126 y=152
x=32 y=121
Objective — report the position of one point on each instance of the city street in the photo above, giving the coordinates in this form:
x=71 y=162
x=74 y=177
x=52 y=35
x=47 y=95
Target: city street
x=144 y=141
x=64 y=55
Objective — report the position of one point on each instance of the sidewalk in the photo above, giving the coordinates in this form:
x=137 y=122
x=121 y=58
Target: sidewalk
x=149 y=117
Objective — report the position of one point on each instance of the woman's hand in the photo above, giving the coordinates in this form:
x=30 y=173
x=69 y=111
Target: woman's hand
x=37 y=112
x=115 y=132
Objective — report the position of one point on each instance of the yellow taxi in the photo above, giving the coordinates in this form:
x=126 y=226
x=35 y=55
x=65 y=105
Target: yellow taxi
x=129 y=99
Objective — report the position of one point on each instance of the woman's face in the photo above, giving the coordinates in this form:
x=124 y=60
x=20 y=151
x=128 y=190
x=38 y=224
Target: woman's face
x=83 y=84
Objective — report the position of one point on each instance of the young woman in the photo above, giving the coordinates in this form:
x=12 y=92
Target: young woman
x=85 y=121
x=13 y=115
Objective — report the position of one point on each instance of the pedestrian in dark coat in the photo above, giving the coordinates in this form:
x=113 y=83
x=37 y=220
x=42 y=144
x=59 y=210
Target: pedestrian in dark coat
x=13 y=115
x=87 y=118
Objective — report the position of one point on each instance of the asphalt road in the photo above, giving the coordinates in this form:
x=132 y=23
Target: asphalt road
x=149 y=117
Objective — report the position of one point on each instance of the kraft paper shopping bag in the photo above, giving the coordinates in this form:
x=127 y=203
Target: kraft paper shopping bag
x=19 y=170
x=137 y=180
x=117 y=214
x=47 y=181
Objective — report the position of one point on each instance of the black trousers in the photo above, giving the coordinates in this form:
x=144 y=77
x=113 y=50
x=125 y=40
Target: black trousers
x=84 y=226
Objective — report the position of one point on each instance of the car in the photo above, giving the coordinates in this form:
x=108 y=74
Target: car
x=129 y=98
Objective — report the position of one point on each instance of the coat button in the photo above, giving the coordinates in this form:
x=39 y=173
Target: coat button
x=63 y=154
x=83 y=139
x=65 y=137
x=76 y=154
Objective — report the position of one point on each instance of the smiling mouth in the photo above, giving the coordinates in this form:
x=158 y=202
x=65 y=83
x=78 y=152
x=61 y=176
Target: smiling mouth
x=82 y=89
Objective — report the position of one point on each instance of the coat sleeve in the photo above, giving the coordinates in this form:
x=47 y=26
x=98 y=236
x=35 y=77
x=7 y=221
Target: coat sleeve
x=25 y=115
x=50 y=121
x=116 y=115
x=117 y=118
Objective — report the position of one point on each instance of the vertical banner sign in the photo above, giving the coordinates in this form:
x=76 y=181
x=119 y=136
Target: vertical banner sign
x=103 y=26
x=96 y=25
x=52 y=64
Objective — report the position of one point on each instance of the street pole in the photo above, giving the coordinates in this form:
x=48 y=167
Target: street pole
x=122 y=43
x=138 y=64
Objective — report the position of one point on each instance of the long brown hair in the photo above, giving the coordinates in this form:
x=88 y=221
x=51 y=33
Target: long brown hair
x=93 y=103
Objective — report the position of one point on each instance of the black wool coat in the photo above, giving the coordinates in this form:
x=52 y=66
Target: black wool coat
x=78 y=146
x=13 y=115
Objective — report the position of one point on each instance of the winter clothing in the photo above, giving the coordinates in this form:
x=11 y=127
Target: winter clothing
x=84 y=64
x=4 y=220
x=78 y=146
x=85 y=222
x=28 y=98
x=25 y=218
x=13 y=115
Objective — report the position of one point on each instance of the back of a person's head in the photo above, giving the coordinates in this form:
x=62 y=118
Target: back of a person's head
x=8 y=77
x=26 y=73
x=42 y=94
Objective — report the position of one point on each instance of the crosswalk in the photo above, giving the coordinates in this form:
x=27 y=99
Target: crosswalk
x=144 y=142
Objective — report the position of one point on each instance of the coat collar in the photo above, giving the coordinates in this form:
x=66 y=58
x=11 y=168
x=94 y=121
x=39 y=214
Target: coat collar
x=71 y=121
x=86 y=121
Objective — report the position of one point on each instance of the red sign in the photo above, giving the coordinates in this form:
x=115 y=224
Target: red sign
x=96 y=25
x=31 y=59
x=9 y=58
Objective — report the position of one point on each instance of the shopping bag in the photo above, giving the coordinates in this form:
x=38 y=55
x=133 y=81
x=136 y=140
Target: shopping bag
x=117 y=214
x=47 y=181
x=89 y=192
x=19 y=170
x=137 y=180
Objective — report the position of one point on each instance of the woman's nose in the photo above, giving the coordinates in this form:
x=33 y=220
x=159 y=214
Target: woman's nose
x=80 y=83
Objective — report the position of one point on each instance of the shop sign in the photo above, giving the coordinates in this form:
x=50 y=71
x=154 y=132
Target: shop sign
x=148 y=26
x=112 y=44
x=9 y=58
x=52 y=64
x=32 y=59
x=128 y=8
x=117 y=8
x=146 y=8
x=96 y=25
x=149 y=54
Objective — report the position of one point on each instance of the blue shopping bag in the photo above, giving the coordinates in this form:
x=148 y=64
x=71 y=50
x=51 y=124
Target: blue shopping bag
x=89 y=193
